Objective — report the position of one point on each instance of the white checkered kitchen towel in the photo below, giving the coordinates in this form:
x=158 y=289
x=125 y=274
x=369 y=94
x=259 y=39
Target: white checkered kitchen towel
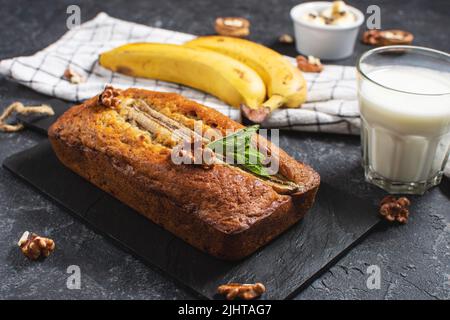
x=331 y=107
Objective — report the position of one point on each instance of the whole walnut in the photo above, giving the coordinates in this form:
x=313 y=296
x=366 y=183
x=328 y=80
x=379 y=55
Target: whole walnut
x=232 y=26
x=393 y=209
x=34 y=246
x=241 y=290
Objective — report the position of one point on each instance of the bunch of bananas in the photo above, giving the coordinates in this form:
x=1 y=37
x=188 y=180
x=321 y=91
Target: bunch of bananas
x=240 y=72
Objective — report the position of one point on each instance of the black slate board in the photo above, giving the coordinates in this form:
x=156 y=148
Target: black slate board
x=286 y=265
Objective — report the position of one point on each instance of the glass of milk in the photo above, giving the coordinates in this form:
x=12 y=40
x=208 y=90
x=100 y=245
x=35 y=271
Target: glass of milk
x=404 y=99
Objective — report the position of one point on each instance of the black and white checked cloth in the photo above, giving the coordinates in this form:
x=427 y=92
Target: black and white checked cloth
x=331 y=107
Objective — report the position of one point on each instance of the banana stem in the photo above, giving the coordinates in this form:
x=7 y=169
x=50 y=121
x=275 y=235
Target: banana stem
x=260 y=114
x=274 y=102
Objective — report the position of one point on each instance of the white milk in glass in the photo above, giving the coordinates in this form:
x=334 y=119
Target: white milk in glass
x=406 y=136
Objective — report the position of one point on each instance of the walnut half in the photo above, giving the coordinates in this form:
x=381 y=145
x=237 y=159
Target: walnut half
x=243 y=291
x=286 y=39
x=34 y=246
x=387 y=37
x=310 y=64
x=393 y=209
x=109 y=97
x=73 y=77
x=232 y=26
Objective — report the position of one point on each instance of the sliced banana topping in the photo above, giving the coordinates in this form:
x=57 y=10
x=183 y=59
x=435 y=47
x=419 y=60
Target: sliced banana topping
x=338 y=14
x=170 y=133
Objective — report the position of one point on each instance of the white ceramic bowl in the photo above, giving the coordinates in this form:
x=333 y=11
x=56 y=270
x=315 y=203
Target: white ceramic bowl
x=328 y=42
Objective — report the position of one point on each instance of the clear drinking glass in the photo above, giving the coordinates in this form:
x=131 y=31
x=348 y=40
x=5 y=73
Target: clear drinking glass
x=404 y=99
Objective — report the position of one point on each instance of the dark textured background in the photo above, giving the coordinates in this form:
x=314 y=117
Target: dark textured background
x=414 y=259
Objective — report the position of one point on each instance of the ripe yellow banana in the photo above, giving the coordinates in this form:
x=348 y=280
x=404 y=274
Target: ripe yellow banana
x=224 y=77
x=285 y=83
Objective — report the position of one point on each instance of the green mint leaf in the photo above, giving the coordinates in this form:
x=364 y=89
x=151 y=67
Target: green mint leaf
x=238 y=146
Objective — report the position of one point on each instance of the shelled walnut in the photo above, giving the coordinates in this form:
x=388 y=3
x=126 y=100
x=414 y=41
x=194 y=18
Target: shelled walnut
x=232 y=26
x=310 y=64
x=34 y=246
x=73 y=77
x=387 y=37
x=108 y=97
x=286 y=39
x=243 y=291
x=393 y=209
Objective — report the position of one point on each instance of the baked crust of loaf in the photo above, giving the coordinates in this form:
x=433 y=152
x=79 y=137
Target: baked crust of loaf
x=219 y=210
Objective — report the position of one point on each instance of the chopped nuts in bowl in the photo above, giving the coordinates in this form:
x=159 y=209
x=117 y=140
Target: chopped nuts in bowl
x=337 y=14
x=327 y=30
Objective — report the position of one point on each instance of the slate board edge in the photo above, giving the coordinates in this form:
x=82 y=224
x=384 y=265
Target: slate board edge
x=332 y=262
x=104 y=234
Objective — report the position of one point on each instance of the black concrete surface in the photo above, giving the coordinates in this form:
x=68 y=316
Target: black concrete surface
x=414 y=259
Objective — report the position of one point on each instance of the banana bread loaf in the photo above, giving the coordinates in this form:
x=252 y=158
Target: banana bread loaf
x=120 y=141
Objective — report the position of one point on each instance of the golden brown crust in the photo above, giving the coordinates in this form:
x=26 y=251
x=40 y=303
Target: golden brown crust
x=219 y=210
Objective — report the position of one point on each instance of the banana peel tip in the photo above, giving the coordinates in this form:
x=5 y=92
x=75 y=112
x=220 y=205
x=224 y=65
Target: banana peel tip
x=255 y=115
